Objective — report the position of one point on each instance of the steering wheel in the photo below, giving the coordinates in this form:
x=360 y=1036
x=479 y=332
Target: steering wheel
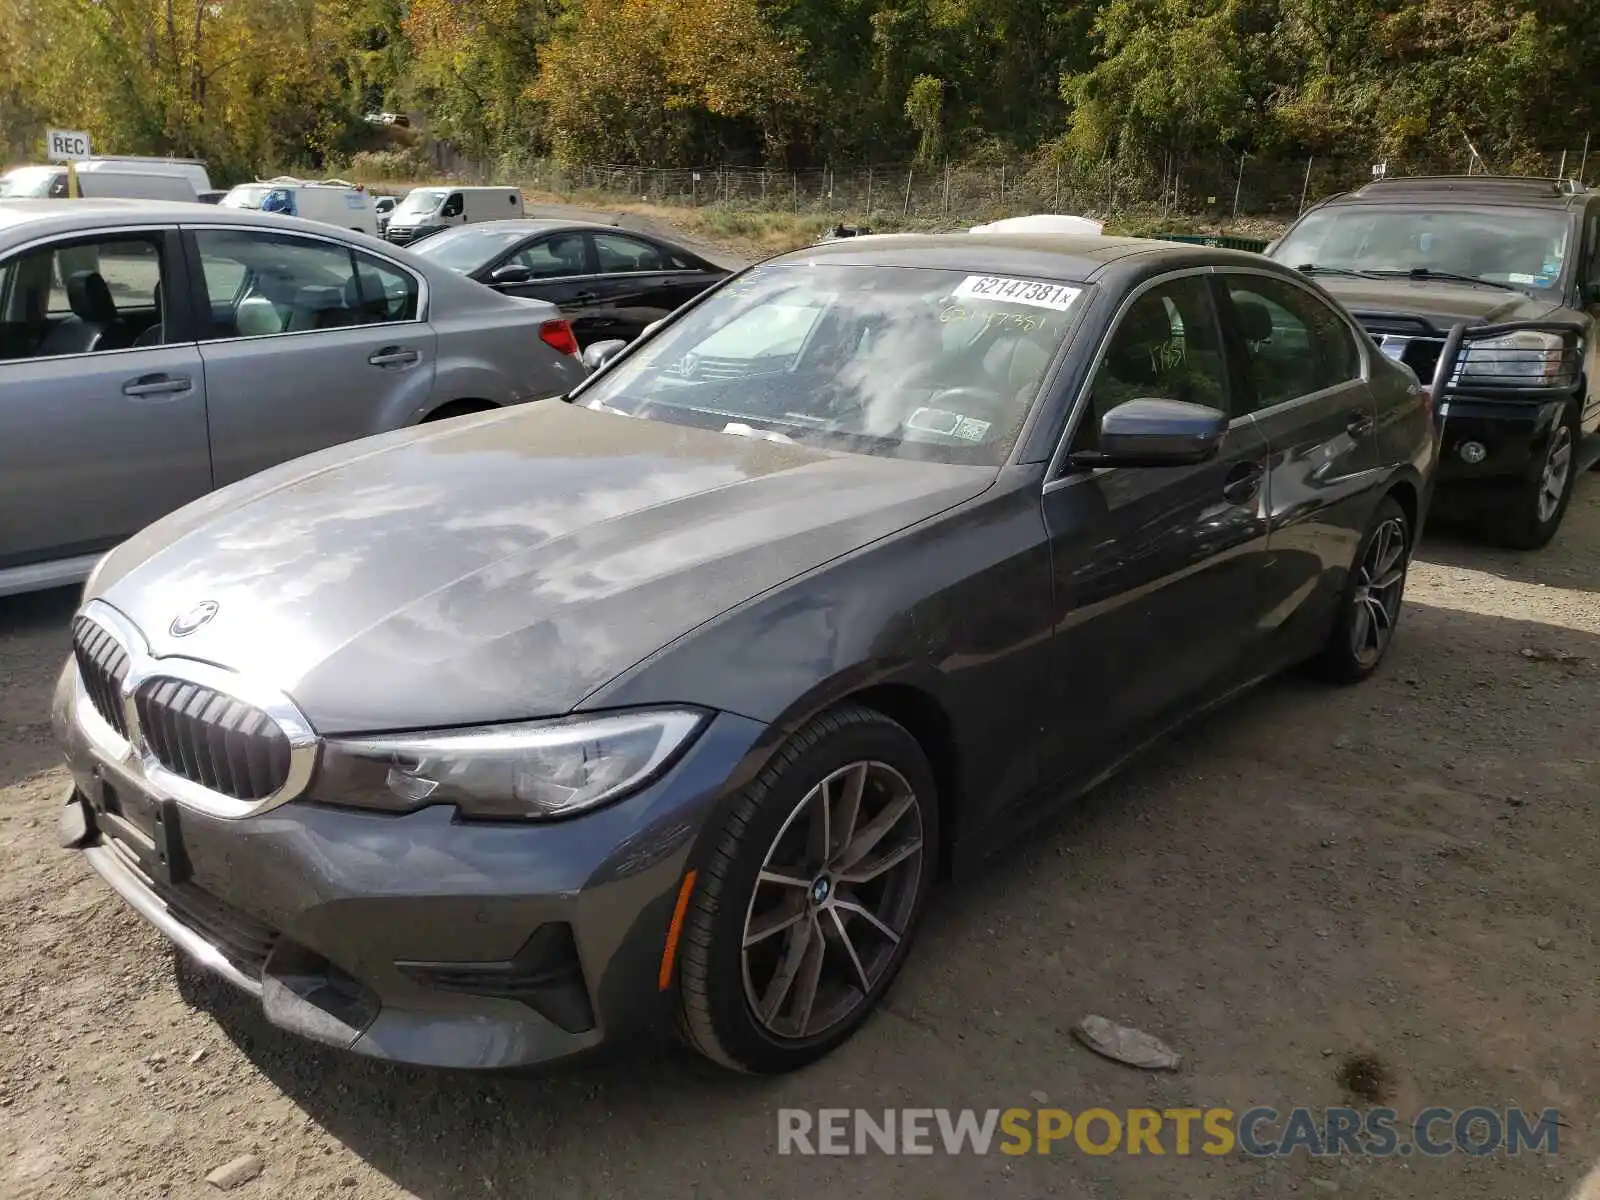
x=965 y=398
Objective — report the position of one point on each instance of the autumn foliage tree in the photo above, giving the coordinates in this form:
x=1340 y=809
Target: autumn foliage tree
x=260 y=84
x=639 y=80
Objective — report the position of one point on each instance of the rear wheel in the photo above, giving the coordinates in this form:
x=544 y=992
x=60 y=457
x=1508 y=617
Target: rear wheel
x=1369 y=610
x=1542 y=500
x=805 y=912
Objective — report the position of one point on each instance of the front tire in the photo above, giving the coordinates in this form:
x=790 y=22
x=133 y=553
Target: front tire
x=1369 y=608
x=805 y=912
x=1541 y=502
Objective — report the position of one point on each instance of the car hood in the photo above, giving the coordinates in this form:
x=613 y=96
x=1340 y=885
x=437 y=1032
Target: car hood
x=499 y=567
x=1442 y=304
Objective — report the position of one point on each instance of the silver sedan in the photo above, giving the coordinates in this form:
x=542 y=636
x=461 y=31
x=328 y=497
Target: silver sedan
x=151 y=352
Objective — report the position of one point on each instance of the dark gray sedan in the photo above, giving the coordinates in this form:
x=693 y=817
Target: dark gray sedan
x=664 y=706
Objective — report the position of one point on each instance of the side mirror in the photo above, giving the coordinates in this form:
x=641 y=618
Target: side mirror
x=599 y=354
x=1591 y=293
x=1156 y=433
x=511 y=273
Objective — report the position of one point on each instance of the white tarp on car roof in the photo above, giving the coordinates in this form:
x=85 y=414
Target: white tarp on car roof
x=1043 y=223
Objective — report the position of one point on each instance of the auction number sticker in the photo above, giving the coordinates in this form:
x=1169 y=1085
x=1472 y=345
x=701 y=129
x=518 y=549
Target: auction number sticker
x=1017 y=291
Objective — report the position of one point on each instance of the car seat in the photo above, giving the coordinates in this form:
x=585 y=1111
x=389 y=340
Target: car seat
x=569 y=253
x=1015 y=364
x=94 y=323
x=1134 y=356
x=1255 y=321
x=318 y=307
x=1132 y=367
x=257 y=316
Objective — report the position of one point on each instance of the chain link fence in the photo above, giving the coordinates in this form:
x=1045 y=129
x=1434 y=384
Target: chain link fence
x=1217 y=188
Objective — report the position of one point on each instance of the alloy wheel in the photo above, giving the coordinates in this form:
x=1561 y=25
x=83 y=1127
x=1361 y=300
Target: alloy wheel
x=833 y=901
x=1557 y=467
x=1380 y=582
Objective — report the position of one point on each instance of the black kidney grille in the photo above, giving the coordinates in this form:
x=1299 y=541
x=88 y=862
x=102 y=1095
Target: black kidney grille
x=212 y=739
x=103 y=666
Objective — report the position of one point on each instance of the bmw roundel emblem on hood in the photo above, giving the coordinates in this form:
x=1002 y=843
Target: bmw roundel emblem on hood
x=187 y=623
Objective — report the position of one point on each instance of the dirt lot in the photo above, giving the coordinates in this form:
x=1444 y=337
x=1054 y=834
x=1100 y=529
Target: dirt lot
x=1405 y=870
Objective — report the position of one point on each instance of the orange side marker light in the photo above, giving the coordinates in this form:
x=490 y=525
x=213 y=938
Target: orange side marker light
x=669 y=953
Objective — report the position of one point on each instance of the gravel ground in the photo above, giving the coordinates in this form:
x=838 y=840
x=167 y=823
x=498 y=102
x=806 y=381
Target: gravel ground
x=1402 y=870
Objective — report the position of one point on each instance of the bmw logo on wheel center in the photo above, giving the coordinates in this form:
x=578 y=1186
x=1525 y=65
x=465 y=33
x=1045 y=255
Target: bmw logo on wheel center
x=186 y=623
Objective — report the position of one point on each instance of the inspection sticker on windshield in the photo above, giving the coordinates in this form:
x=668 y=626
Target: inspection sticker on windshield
x=1018 y=291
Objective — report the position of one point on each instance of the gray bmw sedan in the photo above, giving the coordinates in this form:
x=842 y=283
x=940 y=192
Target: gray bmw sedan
x=665 y=704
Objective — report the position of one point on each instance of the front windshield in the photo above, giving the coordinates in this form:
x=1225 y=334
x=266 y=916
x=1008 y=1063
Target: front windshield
x=421 y=201
x=27 y=182
x=905 y=362
x=1522 y=248
x=245 y=196
x=468 y=247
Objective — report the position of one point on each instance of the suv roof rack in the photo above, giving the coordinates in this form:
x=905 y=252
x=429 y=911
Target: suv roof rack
x=1496 y=184
x=144 y=158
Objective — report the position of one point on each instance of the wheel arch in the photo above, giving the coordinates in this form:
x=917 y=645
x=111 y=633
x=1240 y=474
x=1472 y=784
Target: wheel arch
x=910 y=699
x=457 y=408
x=921 y=714
x=1407 y=494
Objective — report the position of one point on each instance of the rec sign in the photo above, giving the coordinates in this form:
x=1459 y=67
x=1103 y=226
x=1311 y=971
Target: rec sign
x=65 y=145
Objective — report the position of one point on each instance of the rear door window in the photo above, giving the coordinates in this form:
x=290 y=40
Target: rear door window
x=266 y=283
x=619 y=255
x=1295 y=343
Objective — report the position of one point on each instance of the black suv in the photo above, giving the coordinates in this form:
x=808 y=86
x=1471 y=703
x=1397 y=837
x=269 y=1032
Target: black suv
x=1489 y=289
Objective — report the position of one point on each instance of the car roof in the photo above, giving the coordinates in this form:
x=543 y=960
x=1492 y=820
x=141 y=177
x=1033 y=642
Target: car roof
x=21 y=220
x=533 y=225
x=1058 y=255
x=1470 y=190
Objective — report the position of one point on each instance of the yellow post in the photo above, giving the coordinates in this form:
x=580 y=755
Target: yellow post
x=72 y=180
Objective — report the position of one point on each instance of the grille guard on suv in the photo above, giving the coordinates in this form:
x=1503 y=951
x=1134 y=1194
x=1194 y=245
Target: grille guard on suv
x=1451 y=375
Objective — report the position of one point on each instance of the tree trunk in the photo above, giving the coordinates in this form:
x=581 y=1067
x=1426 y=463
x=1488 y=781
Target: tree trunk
x=197 y=78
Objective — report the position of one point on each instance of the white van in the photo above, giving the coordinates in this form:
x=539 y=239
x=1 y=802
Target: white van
x=332 y=204
x=192 y=169
x=430 y=209
x=51 y=182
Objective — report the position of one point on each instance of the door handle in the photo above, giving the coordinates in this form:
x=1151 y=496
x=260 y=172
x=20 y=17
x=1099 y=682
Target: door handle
x=1243 y=484
x=587 y=297
x=391 y=356
x=1359 y=424
x=157 y=385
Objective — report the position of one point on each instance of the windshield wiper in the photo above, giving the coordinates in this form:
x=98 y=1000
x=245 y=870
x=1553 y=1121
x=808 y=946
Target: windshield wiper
x=1425 y=274
x=1314 y=269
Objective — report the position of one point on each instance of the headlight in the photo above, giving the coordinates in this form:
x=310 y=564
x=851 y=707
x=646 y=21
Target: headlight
x=1527 y=358
x=532 y=771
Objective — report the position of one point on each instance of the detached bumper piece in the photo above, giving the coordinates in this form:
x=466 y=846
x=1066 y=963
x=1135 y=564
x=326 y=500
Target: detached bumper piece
x=545 y=975
x=239 y=963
